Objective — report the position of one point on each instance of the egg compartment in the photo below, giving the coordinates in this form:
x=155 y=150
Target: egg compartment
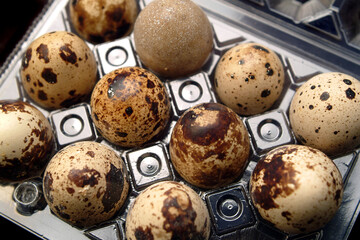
x=184 y=93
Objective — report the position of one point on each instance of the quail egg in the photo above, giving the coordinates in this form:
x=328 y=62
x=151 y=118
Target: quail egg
x=58 y=70
x=325 y=114
x=249 y=78
x=173 y=37
x=85 y=183
x=26 y=141
x=168 y=210
x=209 y=145
x=296 y=188
x=101 y=21
x=130 y=106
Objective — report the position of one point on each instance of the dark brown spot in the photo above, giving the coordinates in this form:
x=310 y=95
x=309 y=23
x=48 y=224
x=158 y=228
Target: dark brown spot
x=311 y=107
x=43 y=52
x=26 y=59
x=278 y=177
x=286 y=215
x=90 y=153
x=70 y=190
x=117 y=84
x=67 y=54
x=114 y=188
x=257 y=47
x=347 y=81
x=83 y=177
x=324 y=96
x=141 y=234
x=128 y=111
x=265 y=93
x=121 y=134
x=49 y=75
x=72 y=92
x=350 y=94
x=150 y=84
x=42 y=95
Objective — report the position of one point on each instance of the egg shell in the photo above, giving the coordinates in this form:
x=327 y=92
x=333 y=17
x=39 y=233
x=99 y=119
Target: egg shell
x=168 y=210
x=58 y=70
x=209 y=145
x=26 y=141
x=325 y=113
x=173 y=37
x=130 y=106
x=102 y=21
x=249 y=78
x=296 y=188
x=85 y=183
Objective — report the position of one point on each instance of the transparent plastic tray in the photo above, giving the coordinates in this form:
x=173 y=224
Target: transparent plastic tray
x=305 y=50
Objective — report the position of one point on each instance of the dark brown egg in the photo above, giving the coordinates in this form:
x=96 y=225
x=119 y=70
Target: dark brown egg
x=130 y=106
x=26 y=141
x=209 y=145
x=168 y=210
x=58 y=70
x=101 y=21
x=85 y=183
x=296 y=188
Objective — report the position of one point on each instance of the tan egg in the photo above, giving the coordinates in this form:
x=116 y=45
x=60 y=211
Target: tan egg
x=26 y=141
x=168 y=210
x=102 y=21
x=173 y=37
x=209 y=146
x=296 y=188
x=85 y=184
x=130 y=106
x=58 y=70
x=249 y=78
x=325 y=114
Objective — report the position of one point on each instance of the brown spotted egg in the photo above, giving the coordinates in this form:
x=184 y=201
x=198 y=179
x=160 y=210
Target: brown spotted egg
x=173 y=38
x=101 y=21
x=168 y=210
x=296 y=188
x=130 y=106
x=58 y=70
x=26 y=141
x=85 y=183
x=249 y=78
x=325 y=113
x=209 y=145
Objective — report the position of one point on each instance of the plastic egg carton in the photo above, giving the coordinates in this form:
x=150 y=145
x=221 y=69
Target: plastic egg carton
x=232 y=213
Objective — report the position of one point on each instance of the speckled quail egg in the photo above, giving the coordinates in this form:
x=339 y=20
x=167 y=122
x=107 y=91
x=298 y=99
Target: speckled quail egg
x=209 y=145
x=26 y=141
x=325 y=114
x=249 y=78
x=85 y=183
x=58 y=70
x=168 y=210
x=297 y=188
x=130 y=106
x=101 y=21
x=173 y=37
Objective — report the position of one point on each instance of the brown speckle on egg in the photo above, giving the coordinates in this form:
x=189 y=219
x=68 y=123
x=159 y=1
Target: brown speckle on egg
x=173 y=210
x=296 y=188
x=126 y=108
x=251 y=79
x=85 y=183
x=55 y=64
x=213 y=140
x=26 y=141
x=329 y=102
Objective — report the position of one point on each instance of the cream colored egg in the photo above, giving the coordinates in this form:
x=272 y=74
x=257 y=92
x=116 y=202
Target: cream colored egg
x=130 y=106
x=26 y=141
x=168 y=210
x=209 y=146
x=101 y=21
x=85 y=184
x=296 y=188
x=249 y=78
x=325 y=113
x=58 y=70
x=173 y=37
